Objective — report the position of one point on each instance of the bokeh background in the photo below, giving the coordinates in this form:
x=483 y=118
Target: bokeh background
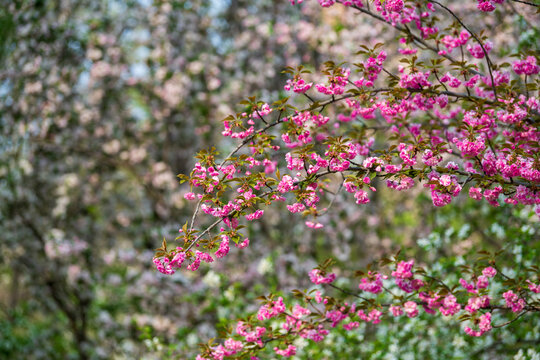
x=104 y=102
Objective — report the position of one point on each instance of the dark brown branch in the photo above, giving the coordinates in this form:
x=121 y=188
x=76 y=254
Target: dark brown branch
x=526 y=3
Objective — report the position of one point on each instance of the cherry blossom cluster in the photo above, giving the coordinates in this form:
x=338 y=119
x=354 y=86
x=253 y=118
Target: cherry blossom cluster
x=449 y=131
x=454 y=128
x=488 y=5
x=527 y=66
x=319 y=314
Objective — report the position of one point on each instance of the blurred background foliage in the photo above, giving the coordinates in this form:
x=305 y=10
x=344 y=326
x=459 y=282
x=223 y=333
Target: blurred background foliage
x=104 y=102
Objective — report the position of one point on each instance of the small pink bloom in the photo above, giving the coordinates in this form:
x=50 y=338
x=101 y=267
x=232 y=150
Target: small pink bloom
x=394 y=5
x=403 y=270
x=513 y=301
x=482 y=282
x=533 y=287
x=486 y=6
x=314 y=225
x=411 y=309
x=352 y=325
x=316 y=277
x=475 y=193
x=489 y=272
x=395 y=310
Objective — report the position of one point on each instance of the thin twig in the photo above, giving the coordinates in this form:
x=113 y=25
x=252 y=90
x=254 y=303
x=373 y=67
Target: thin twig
x=526 y=3
x=334 y=198
x=511 y=321
x=203 y=233
x=195 y=215
x=348 y=292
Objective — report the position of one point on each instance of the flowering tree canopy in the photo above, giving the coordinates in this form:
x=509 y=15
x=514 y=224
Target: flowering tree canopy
x=448 y=112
